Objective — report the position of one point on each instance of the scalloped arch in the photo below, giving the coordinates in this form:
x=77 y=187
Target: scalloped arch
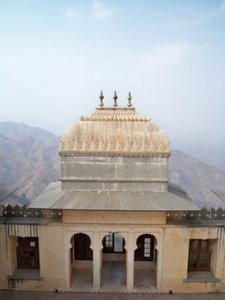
x=143 y=234
x=119 y=233
x=84 y=233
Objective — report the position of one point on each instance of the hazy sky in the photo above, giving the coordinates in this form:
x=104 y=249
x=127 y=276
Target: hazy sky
x=56 y=56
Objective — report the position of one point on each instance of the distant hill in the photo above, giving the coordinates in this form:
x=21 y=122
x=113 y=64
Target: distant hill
x=197 y=179
x=212 y=154
x=20 y=131
x=29 y=160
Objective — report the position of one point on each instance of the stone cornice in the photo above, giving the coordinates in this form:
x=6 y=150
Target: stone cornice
x=69 y=153
x=152 y=180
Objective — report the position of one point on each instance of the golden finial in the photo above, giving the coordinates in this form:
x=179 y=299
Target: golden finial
x=101 y=97
x=129 y=99
x=115 y=99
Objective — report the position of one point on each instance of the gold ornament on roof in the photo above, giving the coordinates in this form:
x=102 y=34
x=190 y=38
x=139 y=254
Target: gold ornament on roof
x=129 y=99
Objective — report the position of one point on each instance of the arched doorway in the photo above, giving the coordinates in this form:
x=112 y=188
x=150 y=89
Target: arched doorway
x=81 y=262
x=113 y=272
x=145 y=257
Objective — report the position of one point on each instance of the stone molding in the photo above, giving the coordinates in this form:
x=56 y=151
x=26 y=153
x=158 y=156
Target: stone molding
x=26 y=212
x=154 y=180
x=71 y=153
x=205 y=214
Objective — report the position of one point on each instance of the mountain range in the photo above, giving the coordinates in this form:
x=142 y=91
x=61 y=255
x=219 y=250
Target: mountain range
x=29 y=161
x=28 y=158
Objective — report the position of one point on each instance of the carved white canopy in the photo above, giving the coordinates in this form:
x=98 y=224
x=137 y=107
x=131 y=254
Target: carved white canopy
x=115 y=131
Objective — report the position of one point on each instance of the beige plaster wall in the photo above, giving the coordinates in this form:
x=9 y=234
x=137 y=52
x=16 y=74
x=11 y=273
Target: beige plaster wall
x=175 y=259
x=52 y=257
x=7 y=256
x=12 y=241
x=113 y=217
x=4 y=257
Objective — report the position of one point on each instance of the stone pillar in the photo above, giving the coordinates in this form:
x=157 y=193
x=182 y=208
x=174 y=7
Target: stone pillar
x=130 y=262
x=68 y=245
x=96 y=262
x=159 y=262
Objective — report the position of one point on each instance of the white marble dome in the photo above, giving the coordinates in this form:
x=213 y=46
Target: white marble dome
x=114 y=131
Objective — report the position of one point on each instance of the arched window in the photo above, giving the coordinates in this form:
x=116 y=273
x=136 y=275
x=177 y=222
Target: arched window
x=145 y=247
x=113 y=243
x=82 y=250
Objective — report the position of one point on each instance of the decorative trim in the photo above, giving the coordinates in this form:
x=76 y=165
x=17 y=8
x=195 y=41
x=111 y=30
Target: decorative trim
x=195 y=216
x=24 y=212
x=69 y=153
x=70 y=179
x=115 y=114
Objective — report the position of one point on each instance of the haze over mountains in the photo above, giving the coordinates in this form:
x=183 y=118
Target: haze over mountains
x=29 y=160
